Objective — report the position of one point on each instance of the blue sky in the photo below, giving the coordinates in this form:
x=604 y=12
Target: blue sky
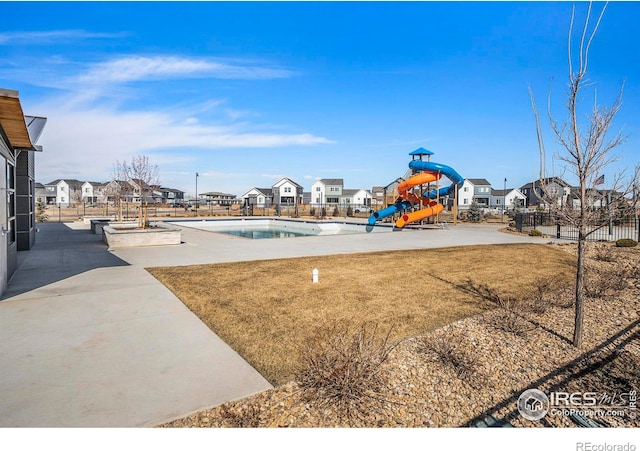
x=246 y=93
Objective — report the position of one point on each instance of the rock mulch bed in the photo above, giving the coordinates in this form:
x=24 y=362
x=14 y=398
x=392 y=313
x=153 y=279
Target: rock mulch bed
x=460 y=374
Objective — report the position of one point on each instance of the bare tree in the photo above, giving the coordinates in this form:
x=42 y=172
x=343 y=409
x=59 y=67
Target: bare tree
x=586 y=150
x=114 y=189
x=142 y=177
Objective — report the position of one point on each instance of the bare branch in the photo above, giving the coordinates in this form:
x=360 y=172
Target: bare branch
x=586 y=53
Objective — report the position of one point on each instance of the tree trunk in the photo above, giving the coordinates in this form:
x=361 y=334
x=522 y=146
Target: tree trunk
x=579 y=306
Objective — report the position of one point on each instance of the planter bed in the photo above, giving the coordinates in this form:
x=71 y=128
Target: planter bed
x=119 y=235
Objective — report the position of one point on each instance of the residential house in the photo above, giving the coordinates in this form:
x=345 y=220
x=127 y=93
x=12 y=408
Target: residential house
x=508 y=199
x=465 y=195
x=326 y=192
x=356 y=198
x=286 y=191
x=137 y=190
x=169 y=196
x=556 y=189
x=64 y=192
x=218 y=198
x=18 y=137
x=41 y=193
x=377 y=196
x=92 y=191
x=481 y=192
x=258 y=197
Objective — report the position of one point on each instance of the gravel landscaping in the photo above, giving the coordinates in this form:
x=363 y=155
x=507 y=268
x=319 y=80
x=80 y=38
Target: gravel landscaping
x=477 y=367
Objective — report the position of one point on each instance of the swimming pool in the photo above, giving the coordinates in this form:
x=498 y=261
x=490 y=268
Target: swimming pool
x=263 y=228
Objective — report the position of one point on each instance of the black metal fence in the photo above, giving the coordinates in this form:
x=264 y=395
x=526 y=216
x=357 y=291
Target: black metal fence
x=551 y=225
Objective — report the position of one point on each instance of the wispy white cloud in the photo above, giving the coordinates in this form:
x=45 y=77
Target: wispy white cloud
x=47 y=37
x=273 y=176
x=88 y=141
x=135 y=68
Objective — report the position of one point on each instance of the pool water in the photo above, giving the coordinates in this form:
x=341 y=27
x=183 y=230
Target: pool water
x=264 y=233
x=278 y=228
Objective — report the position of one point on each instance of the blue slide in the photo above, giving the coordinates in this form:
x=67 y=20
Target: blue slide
x=447 y=171
x=389 y=211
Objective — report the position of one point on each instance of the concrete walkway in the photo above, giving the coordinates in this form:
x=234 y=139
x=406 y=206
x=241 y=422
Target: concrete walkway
x=86 y=339
x=89 y=338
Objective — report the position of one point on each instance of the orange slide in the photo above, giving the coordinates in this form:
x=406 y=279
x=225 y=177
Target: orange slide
x=431 y=206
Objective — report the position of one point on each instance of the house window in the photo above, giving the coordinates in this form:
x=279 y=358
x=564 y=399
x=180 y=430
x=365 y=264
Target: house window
x=466 y=189
x=62 y=188
x=317 y=188
x=62 y=199
x=466 y=201
x=332 y=200
x=317 y=200
x=287 y=189
x=11 y=204
x=86 y=190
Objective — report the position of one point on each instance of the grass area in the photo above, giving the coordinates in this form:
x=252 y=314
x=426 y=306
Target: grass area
x=267 y=310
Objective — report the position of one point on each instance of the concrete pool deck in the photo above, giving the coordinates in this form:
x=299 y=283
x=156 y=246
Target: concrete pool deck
x=88 y=338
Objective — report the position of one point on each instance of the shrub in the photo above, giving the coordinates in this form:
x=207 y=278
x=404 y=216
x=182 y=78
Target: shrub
x=312 y=211
x=474 y=214
x=349 y=211
x=603 y=282
x=604 y=253
x=343 y=369
x=452 y=350
x=249 y=417
x=538 y=301
x=336 y=211
x=508 y=318
x=626 y=242
x=535 y=232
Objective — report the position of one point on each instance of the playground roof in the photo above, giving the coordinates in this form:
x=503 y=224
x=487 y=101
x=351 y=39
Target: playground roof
x=421 y=151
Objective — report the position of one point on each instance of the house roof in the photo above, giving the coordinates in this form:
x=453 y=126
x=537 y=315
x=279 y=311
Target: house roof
x=547 y=180
x=504 y=192
x=395 y=182
x=286 y=179
x=70 y=182
x=12 y=121
x=264 y=191
x=217 y=194
x=170 y=190
x=333 y=181
x=351 y=192
x=478 y=182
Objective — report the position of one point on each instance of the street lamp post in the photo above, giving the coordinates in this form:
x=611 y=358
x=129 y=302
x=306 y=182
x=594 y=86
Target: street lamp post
x=196 y=210
x=504 y=198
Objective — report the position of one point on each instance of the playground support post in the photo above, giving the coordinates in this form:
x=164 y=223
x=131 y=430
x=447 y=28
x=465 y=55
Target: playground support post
x=455 y=205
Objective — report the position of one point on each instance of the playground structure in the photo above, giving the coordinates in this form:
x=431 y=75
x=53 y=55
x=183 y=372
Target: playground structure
x=416 y=199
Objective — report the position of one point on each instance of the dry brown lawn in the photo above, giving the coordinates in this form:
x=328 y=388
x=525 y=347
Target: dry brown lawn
x=266 y=310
